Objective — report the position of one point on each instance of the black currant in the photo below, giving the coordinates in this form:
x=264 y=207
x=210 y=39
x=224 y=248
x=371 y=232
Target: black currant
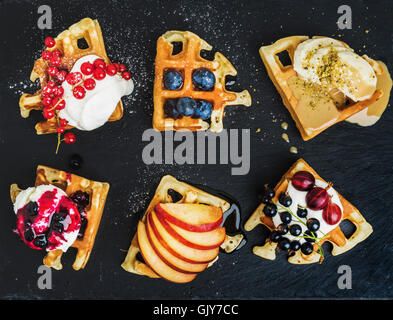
x=309 y=236
x=283 y=228
x=307 y=248
x=295 y=245
x=301 y=212
x=295 y=230
x=29 y=235
x=313 y=224
x=32 y=209
x=285 y=217
x=41 y=241
x=269 y=192
x=270 y=210
x=285 y=199
x=275 y=236
x=284 y=244
x=76 y=162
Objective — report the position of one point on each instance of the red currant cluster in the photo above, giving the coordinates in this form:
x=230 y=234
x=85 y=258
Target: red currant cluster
x=52 y=93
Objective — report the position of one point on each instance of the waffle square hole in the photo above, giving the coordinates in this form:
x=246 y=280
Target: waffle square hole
x=177 y=47
x=82 y=44
x=348 y=228
x=284 y=58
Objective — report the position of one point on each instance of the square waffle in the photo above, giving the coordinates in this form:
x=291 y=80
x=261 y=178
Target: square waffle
x=71 y=183
x=67 y=43
x=189 y=194
x=186 y=61
x=308 y=120
x=336 y=237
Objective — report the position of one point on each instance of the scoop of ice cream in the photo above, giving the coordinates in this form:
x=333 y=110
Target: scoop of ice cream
x=46 y=218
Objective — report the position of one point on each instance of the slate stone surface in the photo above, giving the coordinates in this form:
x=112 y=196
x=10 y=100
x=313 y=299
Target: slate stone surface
x=358 y=160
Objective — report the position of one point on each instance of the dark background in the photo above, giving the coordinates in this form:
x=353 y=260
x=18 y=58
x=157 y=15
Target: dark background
x=358 y=160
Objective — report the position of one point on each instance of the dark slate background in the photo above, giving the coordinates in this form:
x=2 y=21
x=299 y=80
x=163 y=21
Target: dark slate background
x=358 y=160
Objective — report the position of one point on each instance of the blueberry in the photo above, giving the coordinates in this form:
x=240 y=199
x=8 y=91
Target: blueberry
x=75 y=162
x=173 y=80
x=275 y=236
x=295 y=230
x=57 y=226
x=285 y=217
x=270 y=210
x=313 y=224
x=170 y=109
x=41 y=241
x=302 y=212
x=307 y=248
x=29 y=235
x=295 y=245
x=82 y=199
x=284 y=244
x=203 y=79
x=32 y=209
x=59 y=216
x=203 y=110
x=186 y=106
x=285 y=199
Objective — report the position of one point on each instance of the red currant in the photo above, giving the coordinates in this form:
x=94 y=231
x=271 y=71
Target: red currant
x=87 y=68
x=74 y=78
x=47 y=90
x=89 y=84
x=69 y=138
x=126 y=75
x=117 y=66
x=79 y=92
x=50 y=42
x=48 y=113
x=60 y=129
x=46 y=55
x=55 y=61
x=53 y=71
x=51 y=83
x=99 y=63
x=59 y=103
x=56 y=53
x=58 y=91
x=61 y=76
x=99 y=74
x=63 y=122
x=111 y=70
x=122 y=67
x=46 y=101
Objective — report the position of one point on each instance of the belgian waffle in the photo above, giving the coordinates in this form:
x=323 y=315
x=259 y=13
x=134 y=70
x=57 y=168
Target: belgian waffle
x=280 y=75
x=336 y=237
x=189 y=194
x=188 y=60
x=67 y=43
x=71 y=183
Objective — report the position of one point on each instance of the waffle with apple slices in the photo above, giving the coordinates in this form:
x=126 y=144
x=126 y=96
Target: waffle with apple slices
x=72 y=184
x=183 y=65
x=67 y=43
x=335 y=236
x=180 y=233
x=339 y=106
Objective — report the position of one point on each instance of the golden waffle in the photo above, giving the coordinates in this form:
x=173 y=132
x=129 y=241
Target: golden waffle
x=336 y=237
x=281 y=75
x=187 y=61
x=67 y=43
x=190 y=194
x=71 y=183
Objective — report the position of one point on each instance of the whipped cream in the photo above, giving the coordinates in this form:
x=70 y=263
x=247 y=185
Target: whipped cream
x=49 y=198
x=330 y=63
x=97 y=106
x=299 y=199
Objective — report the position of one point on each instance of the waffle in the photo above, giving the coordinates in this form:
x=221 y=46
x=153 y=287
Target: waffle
x=336 y=237
x=67 y=43
x=71 y=183
x=188 y=60
x=190 y=194
x=280 y=76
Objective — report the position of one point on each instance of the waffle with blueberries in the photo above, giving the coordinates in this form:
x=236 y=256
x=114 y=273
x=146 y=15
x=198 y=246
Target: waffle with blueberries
x=302 y=212
x=190 y=91
x=89 y=197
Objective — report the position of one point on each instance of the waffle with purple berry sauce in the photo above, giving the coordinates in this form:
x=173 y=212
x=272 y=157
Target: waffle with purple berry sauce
x=302 y=212
x=89 y=197
x=190 y=91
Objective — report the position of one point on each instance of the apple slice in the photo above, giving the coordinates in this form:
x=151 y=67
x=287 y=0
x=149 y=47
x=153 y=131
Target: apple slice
x=171 y=260
x=190 y=216
x=177 y=248
x=154 y=261
x=197 y=240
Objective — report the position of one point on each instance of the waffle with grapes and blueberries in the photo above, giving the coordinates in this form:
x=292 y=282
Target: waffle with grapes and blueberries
x=302 y=212
x=190 y=91
x=53 y=68
x=89 y=197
